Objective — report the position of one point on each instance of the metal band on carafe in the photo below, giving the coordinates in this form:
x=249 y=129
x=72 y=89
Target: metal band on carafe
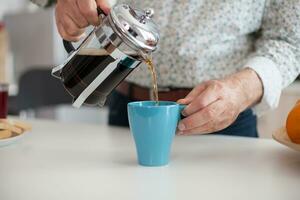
x=119 y=56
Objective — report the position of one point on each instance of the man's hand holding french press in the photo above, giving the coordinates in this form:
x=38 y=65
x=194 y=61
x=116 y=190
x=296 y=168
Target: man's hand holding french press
x=73 y=16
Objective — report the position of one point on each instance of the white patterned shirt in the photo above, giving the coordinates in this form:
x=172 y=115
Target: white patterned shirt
x=209 y=39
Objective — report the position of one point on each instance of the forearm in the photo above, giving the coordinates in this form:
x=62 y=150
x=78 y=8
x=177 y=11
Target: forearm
x=277 y=52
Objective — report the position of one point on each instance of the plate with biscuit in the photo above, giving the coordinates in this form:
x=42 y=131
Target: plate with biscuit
x=12 y=130
x=290 y=134
x=282 y=137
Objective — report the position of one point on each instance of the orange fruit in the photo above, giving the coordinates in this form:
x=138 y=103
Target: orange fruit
x=293 y=124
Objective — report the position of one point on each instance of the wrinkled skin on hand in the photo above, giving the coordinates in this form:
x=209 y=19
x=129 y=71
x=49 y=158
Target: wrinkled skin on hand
x=73 y=16
x=214 y=105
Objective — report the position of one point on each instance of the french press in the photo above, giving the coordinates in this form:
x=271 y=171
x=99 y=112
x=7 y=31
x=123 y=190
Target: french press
x=108 y=54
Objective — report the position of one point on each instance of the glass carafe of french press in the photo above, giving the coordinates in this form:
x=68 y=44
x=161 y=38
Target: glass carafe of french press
x=108 y=54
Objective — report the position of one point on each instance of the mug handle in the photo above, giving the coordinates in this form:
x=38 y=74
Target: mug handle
x=181 y=107
x=68 y=45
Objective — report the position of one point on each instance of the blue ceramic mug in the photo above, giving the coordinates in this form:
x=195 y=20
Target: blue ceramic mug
x=153 y=128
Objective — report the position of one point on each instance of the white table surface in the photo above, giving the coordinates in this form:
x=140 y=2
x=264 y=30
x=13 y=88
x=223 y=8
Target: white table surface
x=80 y=161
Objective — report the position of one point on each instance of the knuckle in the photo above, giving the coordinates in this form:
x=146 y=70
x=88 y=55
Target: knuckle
x=225 y=124
x=188 y=123
x=214 y=127
x=68 y=29
x=216 y=84
x=199 y=87
x=66 y=37
x=82 y=24
x=71 y=30
x=75 y=39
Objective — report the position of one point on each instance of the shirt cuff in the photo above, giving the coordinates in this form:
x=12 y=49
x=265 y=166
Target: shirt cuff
x=271 y=79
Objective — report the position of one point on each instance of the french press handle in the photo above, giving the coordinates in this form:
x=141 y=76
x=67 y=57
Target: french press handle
x=68 y=45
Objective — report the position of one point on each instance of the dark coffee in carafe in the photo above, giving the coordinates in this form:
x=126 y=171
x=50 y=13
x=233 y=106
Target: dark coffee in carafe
x=84 y=67
x=108 y=54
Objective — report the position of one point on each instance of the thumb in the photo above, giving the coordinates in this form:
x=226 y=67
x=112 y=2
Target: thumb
x=104 y=5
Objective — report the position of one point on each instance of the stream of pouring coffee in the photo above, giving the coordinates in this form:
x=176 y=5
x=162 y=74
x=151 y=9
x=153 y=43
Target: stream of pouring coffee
x=149 y=63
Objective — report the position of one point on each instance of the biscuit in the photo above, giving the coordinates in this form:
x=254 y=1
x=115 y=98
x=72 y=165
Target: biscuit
x=5 y=134
x=22 y=125
x=7 y=125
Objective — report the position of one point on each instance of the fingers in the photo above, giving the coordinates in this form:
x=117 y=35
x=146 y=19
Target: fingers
x=76 y=15
x=104 y=6
x=64 y=34
x=209 y=115
x=212 y=109
x=71 y=27
x=207 y=97
x=209 y=127
x=195 y=92
x=88 y=10
x=72 y=16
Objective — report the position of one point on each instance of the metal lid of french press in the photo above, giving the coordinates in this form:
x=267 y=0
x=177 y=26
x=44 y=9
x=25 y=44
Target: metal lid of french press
x=136 y=26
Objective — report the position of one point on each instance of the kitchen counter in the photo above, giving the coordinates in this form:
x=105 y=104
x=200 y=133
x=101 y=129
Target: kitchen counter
x=68 y=161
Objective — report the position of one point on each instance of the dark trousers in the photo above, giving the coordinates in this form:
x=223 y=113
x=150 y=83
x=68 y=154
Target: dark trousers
x=244 y=125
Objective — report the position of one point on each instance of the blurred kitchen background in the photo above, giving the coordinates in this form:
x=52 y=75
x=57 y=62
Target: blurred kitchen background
x=30 y=46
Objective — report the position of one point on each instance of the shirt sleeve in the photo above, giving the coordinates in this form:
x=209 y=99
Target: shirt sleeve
x=276 y=58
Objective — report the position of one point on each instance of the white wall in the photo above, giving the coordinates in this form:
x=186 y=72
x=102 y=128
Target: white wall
x=34 y=41
x=11 y=6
